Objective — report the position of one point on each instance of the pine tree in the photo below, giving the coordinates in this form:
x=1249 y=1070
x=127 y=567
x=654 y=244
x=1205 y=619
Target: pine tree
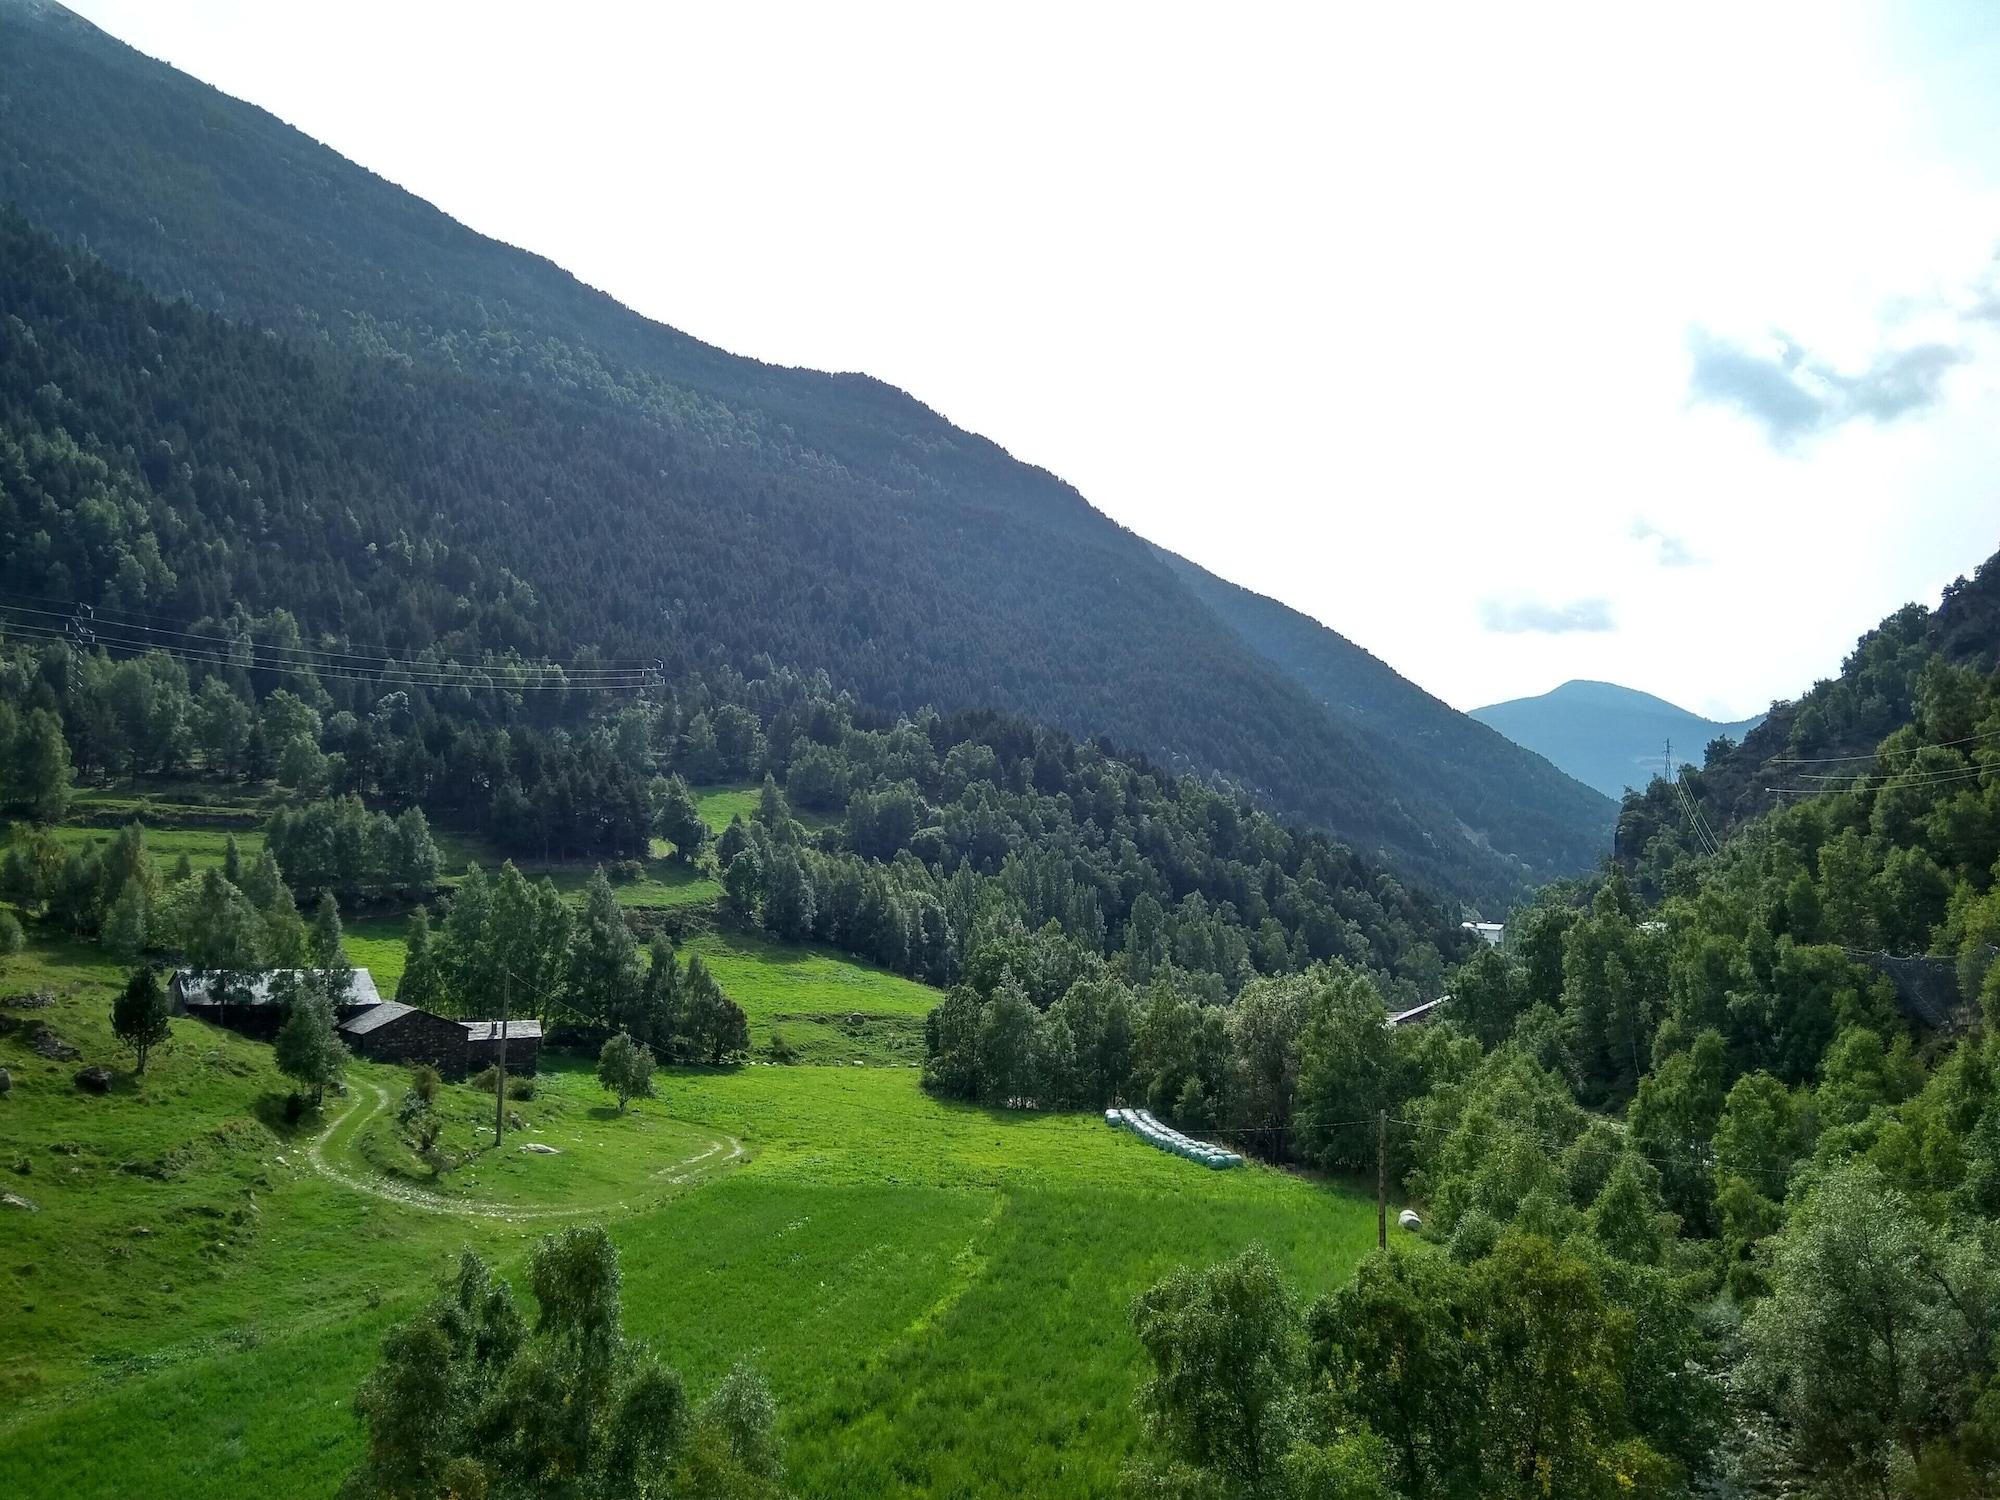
x=264 y=881
x=126 y=925
x=660 y=1002
x=42 y=776
x=326 y=949
x=308 y=1048
x=603 y=978
x=284 y=931
x=139 y=1016
x=421 y=983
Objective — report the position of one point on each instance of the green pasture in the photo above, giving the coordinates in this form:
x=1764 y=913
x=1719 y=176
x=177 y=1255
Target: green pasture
x=939 y=1294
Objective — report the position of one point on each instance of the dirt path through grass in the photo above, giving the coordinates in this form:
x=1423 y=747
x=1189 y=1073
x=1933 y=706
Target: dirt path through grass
x=699 y=1165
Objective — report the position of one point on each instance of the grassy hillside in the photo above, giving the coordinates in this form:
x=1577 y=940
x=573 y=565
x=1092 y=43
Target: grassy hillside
x=938 y=1294
x=492 y=423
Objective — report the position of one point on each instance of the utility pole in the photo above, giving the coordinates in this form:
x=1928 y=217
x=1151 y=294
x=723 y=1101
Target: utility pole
x=500 y=1073
x=1382 y=1179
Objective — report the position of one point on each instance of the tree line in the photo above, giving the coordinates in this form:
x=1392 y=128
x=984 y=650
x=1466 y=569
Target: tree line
x=913 y=841
x=1715 y=1216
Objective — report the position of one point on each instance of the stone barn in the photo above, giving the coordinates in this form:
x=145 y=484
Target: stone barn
x=394 y=1032
x=524 y=1045
x=255 y=1003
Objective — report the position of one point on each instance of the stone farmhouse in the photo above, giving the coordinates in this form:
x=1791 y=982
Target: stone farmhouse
x=382 y=1030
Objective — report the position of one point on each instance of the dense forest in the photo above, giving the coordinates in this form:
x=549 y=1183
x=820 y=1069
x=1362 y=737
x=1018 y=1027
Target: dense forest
x=491 y=457
x=1831 y=731
x=1712 y=1171
x=933 y=840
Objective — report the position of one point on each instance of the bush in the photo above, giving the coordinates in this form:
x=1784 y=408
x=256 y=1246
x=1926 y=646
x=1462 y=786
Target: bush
x=519 y=1085
x=780 y=1050
x=628 y=872
x=425 y=1082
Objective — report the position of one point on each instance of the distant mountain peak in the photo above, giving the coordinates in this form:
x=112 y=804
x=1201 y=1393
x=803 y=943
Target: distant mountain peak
x=1605 y=734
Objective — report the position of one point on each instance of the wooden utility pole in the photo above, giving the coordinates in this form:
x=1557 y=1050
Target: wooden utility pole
x=1382 y=1179
x=500 y=1073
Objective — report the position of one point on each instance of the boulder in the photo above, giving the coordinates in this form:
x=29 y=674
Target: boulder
x=15 y=1200
x=541 y=1150
x=49 y=1045
x=95 y=1079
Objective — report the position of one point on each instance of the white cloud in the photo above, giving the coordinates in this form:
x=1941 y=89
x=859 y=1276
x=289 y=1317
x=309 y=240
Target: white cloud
x=1668 y=550
x=1535 y=616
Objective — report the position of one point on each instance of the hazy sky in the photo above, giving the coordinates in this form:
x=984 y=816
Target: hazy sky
x=1516 y=343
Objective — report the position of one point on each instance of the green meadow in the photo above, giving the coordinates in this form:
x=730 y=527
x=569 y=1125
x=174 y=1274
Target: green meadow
x=939 y=1294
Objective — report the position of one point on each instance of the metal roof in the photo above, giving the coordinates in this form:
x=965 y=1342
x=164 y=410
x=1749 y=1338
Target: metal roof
x=489 y=1031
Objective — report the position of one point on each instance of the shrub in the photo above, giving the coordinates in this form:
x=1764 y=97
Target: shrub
x=519 y=1085
x=781 y=1051
x=425 y=1082
x=628 y=872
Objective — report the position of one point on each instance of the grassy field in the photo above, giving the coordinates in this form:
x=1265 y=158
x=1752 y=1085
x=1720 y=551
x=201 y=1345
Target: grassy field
x=197 y=818
x=718 y=804
x=203 y=847
x=828 y=1007
x=939 y=1294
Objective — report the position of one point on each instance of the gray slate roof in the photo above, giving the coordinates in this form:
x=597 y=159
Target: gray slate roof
x=256 y=989
x=375 y=1016
x=489 y=1031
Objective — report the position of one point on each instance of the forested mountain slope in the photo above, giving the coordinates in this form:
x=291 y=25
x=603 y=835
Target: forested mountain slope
x=459 y=408
x=1607 y=736
x=1517 y=799
x=1829 y=734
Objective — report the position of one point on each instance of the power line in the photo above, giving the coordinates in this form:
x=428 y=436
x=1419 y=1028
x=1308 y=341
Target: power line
x=1843 y=784
x=1902 y=778
x=229 y=650
x=1875 y=755
x=486 y=677
x=66 y=610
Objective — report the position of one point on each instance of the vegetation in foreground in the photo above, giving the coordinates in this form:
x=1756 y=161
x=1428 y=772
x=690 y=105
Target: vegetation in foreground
x=912 y=1277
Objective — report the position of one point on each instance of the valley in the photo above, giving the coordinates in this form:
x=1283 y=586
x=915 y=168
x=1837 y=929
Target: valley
x=197 y=1297
x=994 y=1006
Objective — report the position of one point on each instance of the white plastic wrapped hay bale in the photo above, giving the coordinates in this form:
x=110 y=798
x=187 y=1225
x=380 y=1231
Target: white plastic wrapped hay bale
x=1410 y=1220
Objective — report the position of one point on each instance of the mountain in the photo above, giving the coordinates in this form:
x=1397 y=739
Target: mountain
x=1607 y=736
x=1834 y=728
x=452 y=444
x=1516 y=798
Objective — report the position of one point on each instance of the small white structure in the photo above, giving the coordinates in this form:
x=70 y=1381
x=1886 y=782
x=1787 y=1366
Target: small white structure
x=1408 y=1219
x=1490 y=933
x=1416 y=1015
